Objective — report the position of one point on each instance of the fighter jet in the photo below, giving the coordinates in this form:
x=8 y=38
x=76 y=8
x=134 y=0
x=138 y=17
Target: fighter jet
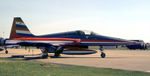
x=72 y=42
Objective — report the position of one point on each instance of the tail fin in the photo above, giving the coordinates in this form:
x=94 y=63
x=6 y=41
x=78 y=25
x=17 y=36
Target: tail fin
x=19 y=29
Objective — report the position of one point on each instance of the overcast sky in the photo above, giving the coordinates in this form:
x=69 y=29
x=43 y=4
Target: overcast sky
x=127 y=19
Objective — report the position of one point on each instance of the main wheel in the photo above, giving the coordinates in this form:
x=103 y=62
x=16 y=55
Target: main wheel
x=44 y=56
x=57 y=54
x=6 y=52
x=103 y=55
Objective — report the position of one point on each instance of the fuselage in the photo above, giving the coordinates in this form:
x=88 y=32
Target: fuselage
x=88 y=39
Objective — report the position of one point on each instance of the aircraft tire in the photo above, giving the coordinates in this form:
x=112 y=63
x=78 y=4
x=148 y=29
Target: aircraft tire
x=57 y=54
x=44 y=56
x=103 y=55
x=6 y=52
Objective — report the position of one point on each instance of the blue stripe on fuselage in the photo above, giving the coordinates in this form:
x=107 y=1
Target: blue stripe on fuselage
x=11 y=44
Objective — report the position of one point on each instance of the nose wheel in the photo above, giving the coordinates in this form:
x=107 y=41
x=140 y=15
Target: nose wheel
x=6 y=52
x=103 y=55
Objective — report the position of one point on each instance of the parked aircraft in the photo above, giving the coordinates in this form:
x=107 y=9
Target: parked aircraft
x=142 y=45
x=72 y=42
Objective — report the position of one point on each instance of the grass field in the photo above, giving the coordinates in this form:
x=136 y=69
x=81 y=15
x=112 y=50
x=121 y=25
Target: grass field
x=14 y=67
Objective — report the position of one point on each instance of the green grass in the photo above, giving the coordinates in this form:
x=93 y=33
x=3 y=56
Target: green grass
x=27 y=68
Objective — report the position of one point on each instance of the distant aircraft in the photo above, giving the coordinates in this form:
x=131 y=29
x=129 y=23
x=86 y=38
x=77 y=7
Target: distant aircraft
x=141 y=45
x=73 y=42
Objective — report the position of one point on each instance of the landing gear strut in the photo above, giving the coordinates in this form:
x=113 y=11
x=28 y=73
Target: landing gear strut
x=103 y=55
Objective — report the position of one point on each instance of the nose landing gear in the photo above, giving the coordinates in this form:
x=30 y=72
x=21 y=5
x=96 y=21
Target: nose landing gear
x=6 y=51
x=103 y=55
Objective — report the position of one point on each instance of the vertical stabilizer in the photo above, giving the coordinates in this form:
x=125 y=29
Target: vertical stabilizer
x=19 y=29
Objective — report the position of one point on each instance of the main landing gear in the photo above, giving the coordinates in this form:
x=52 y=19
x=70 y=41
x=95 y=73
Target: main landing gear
x=59 y=51
x=56 y=52
x=103 y=55
x=44 y=53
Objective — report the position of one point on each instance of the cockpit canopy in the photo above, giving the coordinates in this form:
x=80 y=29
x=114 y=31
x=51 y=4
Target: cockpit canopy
x=85 y=32
x=71 y=34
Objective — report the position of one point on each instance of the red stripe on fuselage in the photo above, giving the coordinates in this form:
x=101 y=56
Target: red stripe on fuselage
x=64 y=39
x=46 y=39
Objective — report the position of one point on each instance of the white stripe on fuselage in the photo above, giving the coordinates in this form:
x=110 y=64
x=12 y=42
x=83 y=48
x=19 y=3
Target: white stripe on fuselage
x=36 y=41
